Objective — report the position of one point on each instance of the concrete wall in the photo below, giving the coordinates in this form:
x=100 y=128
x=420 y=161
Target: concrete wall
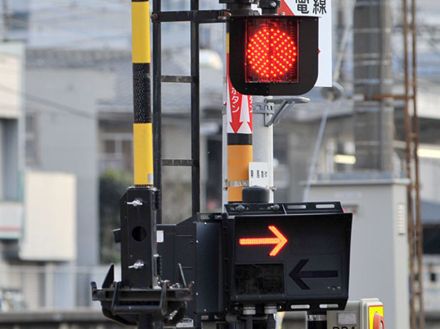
x=379 y=246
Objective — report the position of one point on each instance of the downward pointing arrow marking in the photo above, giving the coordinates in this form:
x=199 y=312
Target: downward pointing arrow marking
x=279 y=241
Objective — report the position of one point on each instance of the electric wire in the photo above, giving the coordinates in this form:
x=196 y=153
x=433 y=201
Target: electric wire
x=49 y=103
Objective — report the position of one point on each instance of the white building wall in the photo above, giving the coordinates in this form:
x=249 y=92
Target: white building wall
x=429 y=178
x=50 y=227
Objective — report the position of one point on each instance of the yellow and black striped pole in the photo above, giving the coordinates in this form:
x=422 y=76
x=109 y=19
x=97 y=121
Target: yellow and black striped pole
x=142 y=126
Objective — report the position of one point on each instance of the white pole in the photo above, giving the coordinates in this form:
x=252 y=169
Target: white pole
x=263 y=138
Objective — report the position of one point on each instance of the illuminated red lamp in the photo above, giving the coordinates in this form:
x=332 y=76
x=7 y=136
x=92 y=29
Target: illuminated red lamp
x=271 y=54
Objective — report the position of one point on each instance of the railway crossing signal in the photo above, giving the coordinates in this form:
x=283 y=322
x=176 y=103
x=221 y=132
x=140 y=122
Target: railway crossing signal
x=256 y=258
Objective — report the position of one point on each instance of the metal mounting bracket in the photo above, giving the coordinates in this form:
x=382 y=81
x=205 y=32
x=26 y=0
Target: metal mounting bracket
x=284 y=103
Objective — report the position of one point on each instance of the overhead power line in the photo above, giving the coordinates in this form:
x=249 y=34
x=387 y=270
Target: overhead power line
x=49 y=103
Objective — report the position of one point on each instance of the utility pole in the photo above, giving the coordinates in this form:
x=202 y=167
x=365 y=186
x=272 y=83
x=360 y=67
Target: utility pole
x=412 y=167
x=373 y=82
x=5 y=20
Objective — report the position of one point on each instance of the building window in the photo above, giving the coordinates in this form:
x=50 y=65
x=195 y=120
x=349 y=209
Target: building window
x=116 y=152
x=9 y=160
x=109 y=147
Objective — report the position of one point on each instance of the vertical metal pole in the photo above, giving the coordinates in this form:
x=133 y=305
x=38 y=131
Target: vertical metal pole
x=195 y=121
x=408 y=167
x=315 y=155
x=224 y=156
x=415 y=130
x=262 y=140
x=195 y=112
x=157 y=105
x=142 y=126
x=5 y=17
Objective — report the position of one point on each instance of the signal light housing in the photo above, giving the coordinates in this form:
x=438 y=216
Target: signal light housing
x=273 y=55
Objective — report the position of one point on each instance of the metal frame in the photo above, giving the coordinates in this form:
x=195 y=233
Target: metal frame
x=157 y=106
x=195 y=111
x=195 y=17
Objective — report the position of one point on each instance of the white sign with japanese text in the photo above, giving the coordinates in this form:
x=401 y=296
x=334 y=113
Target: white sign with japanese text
x=315 y=8
x=323 y=10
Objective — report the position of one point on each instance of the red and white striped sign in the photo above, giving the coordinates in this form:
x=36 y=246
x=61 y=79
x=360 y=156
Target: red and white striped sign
x=238 y=109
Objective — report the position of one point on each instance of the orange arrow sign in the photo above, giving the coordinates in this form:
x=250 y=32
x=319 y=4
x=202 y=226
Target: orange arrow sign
x=279 y=241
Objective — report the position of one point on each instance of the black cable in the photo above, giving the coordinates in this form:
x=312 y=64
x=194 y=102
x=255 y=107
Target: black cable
x=50 y=103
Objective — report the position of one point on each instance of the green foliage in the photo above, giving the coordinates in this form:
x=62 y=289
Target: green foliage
x=112 y=185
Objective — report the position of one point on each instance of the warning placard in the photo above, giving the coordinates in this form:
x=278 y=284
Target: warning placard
x=259 y=174
x=323 y=10
x=314 y=8
x=376 y=317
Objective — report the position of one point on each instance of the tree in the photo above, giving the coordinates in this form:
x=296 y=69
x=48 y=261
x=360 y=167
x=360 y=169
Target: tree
x=112 y=185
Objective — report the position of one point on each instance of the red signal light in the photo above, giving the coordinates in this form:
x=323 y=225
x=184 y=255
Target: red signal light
x=271 y=53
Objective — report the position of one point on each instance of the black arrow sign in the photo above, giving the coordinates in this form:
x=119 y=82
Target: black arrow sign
x=297 y=275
